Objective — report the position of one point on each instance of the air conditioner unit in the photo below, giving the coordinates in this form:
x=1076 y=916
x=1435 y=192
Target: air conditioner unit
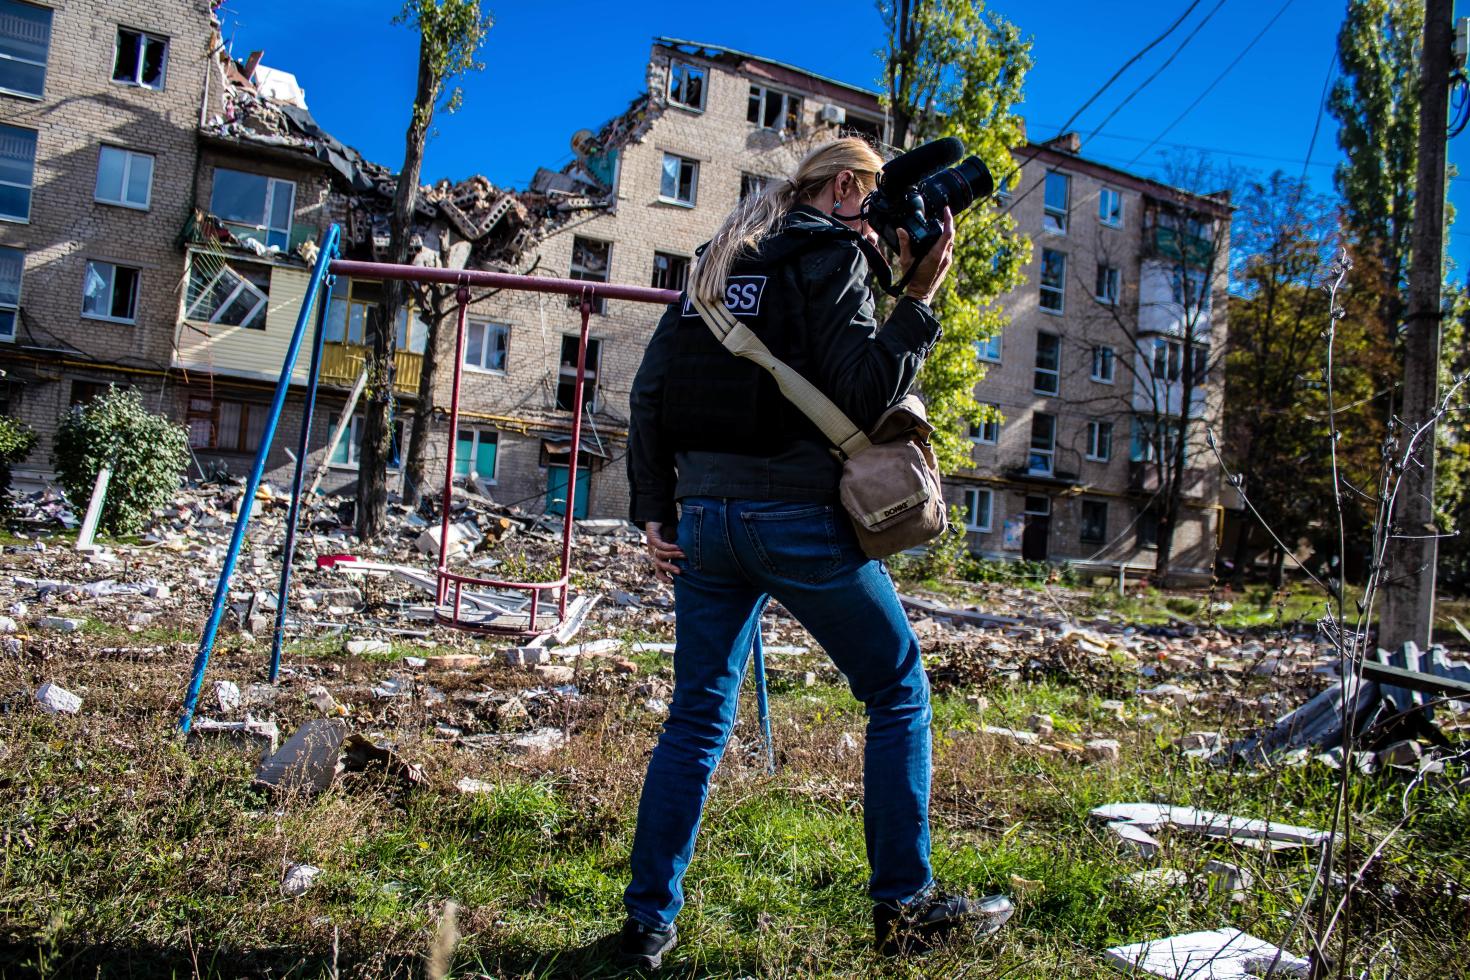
x=832 y=115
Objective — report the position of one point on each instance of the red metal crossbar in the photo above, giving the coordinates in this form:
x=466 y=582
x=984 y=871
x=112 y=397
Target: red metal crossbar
x=588 y=292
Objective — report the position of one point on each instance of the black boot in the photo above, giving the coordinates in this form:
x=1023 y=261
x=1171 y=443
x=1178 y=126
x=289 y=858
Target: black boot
x=639 y=945
x=924 y=921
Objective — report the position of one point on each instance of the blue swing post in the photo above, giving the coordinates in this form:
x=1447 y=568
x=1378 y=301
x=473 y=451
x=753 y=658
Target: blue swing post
x=288 y=551
x=328 y=249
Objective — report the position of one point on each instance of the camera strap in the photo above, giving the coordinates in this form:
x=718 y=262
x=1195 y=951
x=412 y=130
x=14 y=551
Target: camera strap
x=881 y=270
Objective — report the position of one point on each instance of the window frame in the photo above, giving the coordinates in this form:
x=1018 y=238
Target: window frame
x=682 y=161
x=683 y=278
x=1059 y=289
x=1082 y=535
x=1099 y=441
x=1104 y=354
x=247 y=411
x=688 y=66
x=1056 y=220
x=1103 y=211
x=112 y=291
x=476 y=432
x=128 y=157
x=1179 y=277
x=990 y=427
x=143 y=38
x=1054 y=372
x=486 y=326
x=1099 y=291
x=44 y=65
x=599 y=305
x=753 y=184
x=791 y=106
x=261 y=307
x=1047 y=452
x=30 y=186
x=352 y=439
x=973 y=493
x=271 y=188
x=593 y=371
x=8 y=310
x=982 y=346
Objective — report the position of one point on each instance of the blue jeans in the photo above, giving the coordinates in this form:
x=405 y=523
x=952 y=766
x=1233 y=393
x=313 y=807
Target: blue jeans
x=806 y=555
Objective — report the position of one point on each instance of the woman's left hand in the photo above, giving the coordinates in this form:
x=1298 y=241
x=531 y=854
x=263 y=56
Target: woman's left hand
x=662 y=552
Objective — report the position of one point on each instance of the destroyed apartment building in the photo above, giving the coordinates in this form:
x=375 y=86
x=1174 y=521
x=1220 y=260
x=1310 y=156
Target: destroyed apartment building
x=1088 y=375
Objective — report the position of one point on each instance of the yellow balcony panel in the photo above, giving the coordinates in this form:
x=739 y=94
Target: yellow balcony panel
x=342 y=363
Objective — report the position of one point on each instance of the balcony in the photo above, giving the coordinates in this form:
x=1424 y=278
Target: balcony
x=1173 y=245
x=342 y=363
x=1144 y=478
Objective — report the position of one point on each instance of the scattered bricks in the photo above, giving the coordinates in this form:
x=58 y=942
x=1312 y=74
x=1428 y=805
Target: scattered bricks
x=1041 y=724
x=555 y=673
x=416 y=663
x=1022 y=738
x=539 y=742
x=60 y=624
x=527 y=656
x=57 y=700
x=227 y=696
x=625 y=667
x=1134 y=840
x=453 y=661
x=251 y=733
x=362 y=648
x=1103 y=750
x=297 y=879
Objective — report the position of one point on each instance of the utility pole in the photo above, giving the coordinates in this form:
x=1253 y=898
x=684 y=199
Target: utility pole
x=1408 y=607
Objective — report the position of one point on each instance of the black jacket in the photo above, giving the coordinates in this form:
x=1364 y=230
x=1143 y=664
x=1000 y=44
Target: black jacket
x=708 y=423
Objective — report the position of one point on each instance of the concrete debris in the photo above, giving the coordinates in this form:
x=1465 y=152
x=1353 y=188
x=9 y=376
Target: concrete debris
x=1152 y=817
x=539 y=742
x=393 y=687
x=308 y=762
x=60 y=624
x=1156 y=881
x=1135 y=839
x=298 y=879
x=57 y=700
x=8 y=625
x=252 y=733
x=365 y=648
x=1104 y=750
x=361 y=754
x=1012 y=735
x=1229 y=879
x=227 y=696
x=471 y=787
x=1220 y=954
x=1041 y=724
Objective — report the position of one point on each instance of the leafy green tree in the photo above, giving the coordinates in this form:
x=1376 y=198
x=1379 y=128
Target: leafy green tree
x=954 y=69
x=450 y=35
x=146 y=453
x=16 y=442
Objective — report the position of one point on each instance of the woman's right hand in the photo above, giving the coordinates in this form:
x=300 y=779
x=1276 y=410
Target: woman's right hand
x=932 y=267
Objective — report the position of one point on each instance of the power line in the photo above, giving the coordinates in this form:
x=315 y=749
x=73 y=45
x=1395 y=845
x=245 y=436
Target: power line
x=1218 y=79
x=1157 y=71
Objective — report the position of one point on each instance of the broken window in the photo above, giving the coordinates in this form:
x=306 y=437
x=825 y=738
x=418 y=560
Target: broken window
x=1109 y=284
x=1102 y=364
x=254 y=206
x=686 y=85
x=17 y=171
x=350 y=446
x=670 y=271
x=110 y=292
x=12 y=265
x=770 y=108
x=124 y=177
x=869 y=129
x=1094 y=522
x=235 y=295
x=1110 y=207
x=228 y=426
x=354 y=302
x=485 y=345
x=566 y=385
x=1153 y=443
x=141 y=59
x=475 y=449
x=1100 y=441
x=591 y=261
x=1048 y=364
x=25 y=44
x=977 y=509
x=752 y=184
x=1043 y=444
x=1053 y=280
x=680 y=179
x=1148 y=528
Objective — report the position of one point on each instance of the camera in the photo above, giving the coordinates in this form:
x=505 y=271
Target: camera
x=914 y=189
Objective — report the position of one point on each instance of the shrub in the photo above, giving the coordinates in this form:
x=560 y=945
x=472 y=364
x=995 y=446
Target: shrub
x=146 y=453
x=16 y=442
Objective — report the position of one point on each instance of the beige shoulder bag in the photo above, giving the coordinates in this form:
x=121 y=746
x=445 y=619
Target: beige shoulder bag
x=890 y=477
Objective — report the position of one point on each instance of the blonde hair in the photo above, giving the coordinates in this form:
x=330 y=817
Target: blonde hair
x=760 y=215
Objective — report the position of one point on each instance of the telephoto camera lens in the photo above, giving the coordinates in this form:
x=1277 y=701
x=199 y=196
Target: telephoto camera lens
x=956 y=188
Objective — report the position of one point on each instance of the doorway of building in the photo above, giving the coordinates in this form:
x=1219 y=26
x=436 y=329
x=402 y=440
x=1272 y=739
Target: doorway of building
x=1038 y=528
x=556 y=491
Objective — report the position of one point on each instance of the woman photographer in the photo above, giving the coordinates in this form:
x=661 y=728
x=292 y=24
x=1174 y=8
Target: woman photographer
x=758 y=517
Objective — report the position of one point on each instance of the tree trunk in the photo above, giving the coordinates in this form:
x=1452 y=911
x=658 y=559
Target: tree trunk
x=414 y=467
x=377 y=430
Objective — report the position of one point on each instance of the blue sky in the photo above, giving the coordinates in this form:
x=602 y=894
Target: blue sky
x=554 y=68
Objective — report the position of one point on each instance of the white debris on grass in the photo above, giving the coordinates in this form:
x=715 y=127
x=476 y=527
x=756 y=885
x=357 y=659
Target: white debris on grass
x=297 y=879
x=1220 y=954
x=227 y=696
x=57 y=700
x=1155 y=816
